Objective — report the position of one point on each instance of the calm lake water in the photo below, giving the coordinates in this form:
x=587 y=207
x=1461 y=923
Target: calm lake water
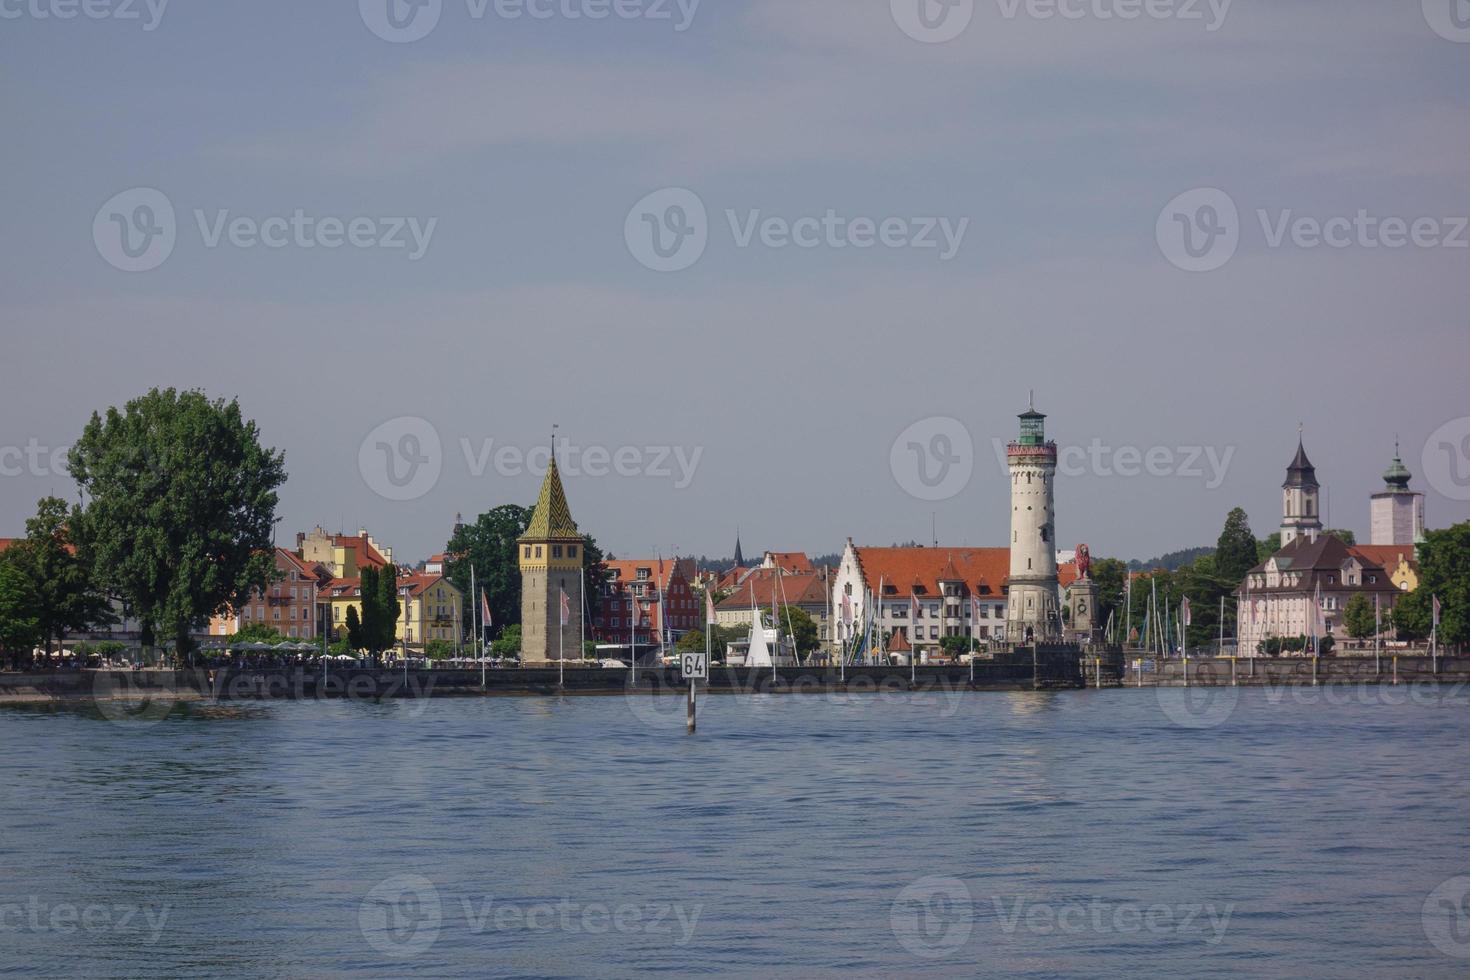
x=1014 y=835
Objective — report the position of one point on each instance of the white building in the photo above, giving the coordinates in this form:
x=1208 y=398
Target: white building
x=1396 y=514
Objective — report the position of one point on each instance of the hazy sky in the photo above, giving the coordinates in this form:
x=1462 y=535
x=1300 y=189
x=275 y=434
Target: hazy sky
x=1003 y=217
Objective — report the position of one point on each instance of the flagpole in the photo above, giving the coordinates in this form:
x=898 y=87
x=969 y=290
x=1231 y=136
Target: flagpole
x=1377 y=636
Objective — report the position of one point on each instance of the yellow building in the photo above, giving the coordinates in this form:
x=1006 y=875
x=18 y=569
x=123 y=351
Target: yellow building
x=429 y=608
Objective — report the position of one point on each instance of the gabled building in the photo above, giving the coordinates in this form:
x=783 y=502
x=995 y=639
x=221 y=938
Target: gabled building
x=344 y=555
x=288 y=605
x=429 y=608
x=642 y=597
x=1303 y=589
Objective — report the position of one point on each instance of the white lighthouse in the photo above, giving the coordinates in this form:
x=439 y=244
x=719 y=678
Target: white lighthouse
x=1032 y=598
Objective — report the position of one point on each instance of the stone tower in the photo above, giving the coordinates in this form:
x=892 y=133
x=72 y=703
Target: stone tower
x=1032 y=600
x=551 y=564
x=1396 y=515
x=1301 y=514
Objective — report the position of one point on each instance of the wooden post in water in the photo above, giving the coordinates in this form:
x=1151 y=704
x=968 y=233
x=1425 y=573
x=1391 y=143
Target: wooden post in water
x=1315 y=658
x=689 y=721
x=1395 y=670
x=1186 y=671
x=1232 y=672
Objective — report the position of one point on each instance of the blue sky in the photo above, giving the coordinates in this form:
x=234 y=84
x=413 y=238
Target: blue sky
x=790 y=370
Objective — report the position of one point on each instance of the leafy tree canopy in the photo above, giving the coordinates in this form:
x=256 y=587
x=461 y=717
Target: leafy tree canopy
x=180 y=505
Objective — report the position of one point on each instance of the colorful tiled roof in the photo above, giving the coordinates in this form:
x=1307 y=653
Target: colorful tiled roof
x=552 y=518
x=767 y=588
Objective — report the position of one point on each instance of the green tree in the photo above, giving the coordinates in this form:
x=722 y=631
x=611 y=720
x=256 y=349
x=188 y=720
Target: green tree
x=180 y=505
x=1111 y=576
x=61 y=586
x=1346 y=537
x=508 y=644
x=1444 y=572
x=438 y=650
x=20 y=627
x=370 y=620
x=257 y=633
x=956 y=645
x=1235 y=551
x=1268 y=546
x=489 y=545
x=354 y=629
x=388 y=610
x=1357 y=616
x=798 y=623
x=720 y=638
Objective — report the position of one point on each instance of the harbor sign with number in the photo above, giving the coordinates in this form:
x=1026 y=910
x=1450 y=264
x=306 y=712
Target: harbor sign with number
x=694 y=666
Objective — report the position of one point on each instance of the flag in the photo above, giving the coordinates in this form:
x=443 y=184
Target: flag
x=974 y=610
x=709 y=609
x=566 y=608
x=847 y=610
x=485 y=618
x=1434 y=602
x=1184 y=611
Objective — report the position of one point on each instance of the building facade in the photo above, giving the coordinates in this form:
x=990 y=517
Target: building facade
x=643 y=599
x=288 y=605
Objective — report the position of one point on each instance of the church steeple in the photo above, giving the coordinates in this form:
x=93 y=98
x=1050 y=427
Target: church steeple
x=1397 y=476
x=1300 y=510
x=739 y=555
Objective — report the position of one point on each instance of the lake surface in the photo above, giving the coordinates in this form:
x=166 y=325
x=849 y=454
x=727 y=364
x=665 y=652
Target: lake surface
x=1013 y=835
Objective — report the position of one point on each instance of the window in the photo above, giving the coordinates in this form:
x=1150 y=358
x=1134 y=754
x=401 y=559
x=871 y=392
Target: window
x=526 y=551
x=556 y=551
x=571 y=551
x=538 y=551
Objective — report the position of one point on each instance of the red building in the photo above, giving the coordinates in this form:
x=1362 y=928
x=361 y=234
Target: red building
x=641 y=597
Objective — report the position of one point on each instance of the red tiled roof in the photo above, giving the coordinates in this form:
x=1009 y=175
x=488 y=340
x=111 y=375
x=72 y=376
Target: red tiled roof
x=984 y=571
x=1386 y=556
x=624 y=571
x=790 y=561
x=768 y=588
x=366 y=553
